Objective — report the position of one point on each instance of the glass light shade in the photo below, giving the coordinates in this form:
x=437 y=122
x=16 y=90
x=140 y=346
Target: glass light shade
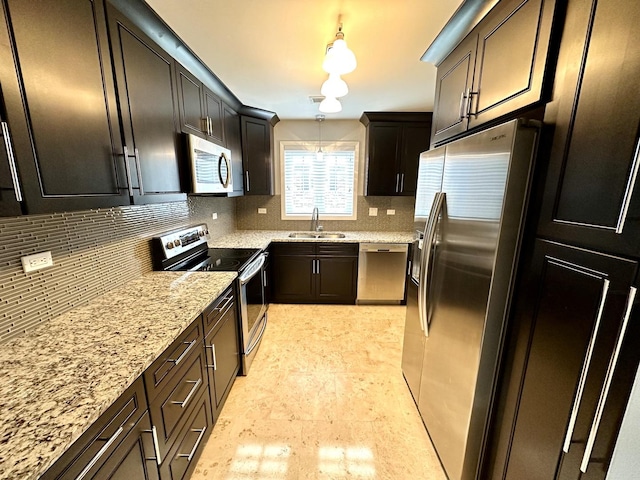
x=330 y=105
x=334 y=87
x=339 y=59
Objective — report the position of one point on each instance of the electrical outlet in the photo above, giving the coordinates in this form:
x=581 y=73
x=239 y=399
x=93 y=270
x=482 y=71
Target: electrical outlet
x=36 y=261
x=214 y=216
x=373 y=212
x=391 y=211
x=262 y=211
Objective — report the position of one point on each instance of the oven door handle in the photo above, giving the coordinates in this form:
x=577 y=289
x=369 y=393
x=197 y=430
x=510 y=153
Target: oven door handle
x=256 y=340
x=252 y=270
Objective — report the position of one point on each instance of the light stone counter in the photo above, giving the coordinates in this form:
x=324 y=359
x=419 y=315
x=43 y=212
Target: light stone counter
x=262 y=238
x=58 y=379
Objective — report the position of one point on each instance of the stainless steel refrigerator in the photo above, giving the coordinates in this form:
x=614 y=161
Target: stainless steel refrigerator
x=470 y=207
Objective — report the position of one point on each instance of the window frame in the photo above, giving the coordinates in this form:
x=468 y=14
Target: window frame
x=312 y=146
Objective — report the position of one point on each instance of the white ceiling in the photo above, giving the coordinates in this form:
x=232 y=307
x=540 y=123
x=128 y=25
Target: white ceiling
x=269 y=52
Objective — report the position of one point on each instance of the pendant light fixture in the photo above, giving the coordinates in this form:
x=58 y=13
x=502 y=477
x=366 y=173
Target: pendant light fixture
x=339 y=58
x=319 y=152
x=334 y=87
x=330 y=105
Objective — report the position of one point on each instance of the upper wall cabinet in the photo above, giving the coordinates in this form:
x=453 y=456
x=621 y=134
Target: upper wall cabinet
x=257 y=151
x=499 y=68
x=231 y=121
x=200 y=108
x=590 y=196
x=394 y=143
x=60 y=128
x=148 y=100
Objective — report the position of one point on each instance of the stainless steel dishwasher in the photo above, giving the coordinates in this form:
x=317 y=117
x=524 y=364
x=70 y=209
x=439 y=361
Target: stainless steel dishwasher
x=382 y=271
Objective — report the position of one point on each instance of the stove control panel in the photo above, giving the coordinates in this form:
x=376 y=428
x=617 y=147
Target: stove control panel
x=181 y=241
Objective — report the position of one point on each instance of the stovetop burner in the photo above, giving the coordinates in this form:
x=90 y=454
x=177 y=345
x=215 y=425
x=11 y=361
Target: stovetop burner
x=222 y=260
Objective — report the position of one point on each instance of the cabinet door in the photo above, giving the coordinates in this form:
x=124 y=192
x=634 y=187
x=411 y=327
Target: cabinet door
x=148 y=100
x=61 y=108
x=134 y=457
x=573 y=306
x=383 y=170
x=453 y=84
x=589 y=196
x=213 y=113
x=292 y=267
x=223 y=357
x=415 y=140
x=513 y=41
x=192 y=110
x=257 y=137
x=233 y=143
x=336 y=279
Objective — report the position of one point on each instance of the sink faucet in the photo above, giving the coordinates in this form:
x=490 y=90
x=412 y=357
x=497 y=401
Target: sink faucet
x=315 y=218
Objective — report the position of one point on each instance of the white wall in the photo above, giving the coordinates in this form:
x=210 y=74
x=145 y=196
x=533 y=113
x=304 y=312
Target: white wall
x=625 y=463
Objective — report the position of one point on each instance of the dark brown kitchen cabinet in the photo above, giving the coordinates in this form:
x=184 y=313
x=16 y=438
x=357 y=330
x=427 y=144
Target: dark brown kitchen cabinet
x=200 y=109
x=576 y=328
x=509 y=57
x=59 y=110
x=311 y=272
x=118 y=445
x=257 y=155
x=231 y=120
x=222 y=345
x=590 y=194
x=394 y=143
x=145 y=76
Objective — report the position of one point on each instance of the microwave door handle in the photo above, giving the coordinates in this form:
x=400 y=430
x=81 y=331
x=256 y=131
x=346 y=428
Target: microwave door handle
x=225 y=181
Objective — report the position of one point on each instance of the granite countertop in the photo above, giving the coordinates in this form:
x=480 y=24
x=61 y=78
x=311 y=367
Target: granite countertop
x=57 y=380
x=262 y=238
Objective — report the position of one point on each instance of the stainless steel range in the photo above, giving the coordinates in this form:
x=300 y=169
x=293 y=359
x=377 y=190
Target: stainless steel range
x=186 y=250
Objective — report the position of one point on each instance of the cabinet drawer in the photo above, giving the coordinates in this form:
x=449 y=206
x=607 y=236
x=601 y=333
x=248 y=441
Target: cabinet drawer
x=173 y=405
x=214 y=312
x=293 y=248
x=165 y=367
x=338 y=249
x=182 y=458
x=110 y=429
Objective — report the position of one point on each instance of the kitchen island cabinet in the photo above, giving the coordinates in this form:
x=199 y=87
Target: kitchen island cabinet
x=148 y=102
x=502 y=66
x=394 y=143
x=314 y=272
x=60 y=106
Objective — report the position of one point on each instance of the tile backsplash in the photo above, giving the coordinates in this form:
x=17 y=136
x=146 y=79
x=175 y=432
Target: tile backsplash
x=248 y=218
x=93 y=252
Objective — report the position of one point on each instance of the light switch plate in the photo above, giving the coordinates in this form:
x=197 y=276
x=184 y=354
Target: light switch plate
x=214 y=216
x=373 y=212
x=36 y=261
x=391 y=211
x=262 y=211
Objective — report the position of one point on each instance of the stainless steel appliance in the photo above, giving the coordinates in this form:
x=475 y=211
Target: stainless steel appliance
x=186 y=250
x=382 y=272
x=210 y=166
x=470 y=207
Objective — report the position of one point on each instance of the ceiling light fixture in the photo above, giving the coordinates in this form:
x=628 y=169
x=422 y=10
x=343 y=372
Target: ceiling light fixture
x=339 y=58
x=319 y=153
x=330 y=105
x=334 y=87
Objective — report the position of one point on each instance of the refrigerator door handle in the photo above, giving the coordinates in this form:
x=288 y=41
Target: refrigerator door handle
x=607 y=383
x=427 y=250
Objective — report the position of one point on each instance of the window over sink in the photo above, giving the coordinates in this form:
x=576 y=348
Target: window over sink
x=326 y=181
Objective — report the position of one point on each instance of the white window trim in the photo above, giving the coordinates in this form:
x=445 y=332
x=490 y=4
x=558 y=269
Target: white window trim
x=312 y=146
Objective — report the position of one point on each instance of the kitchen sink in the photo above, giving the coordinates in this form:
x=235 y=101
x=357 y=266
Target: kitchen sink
x=316 y=235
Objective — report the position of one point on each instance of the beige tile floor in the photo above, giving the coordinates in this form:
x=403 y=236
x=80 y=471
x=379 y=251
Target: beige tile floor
x=325 y=399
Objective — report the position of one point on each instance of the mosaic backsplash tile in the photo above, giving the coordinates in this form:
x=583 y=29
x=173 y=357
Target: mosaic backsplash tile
x=93 y=252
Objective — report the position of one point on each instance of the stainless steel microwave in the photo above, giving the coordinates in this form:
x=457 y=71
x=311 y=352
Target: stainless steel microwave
x=210 y=166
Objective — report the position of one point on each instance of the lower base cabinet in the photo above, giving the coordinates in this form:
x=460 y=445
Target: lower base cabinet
x=309 y=272
x=158 y=427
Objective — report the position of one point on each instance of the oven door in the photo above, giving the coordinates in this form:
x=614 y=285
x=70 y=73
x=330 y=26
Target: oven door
x=252 y=304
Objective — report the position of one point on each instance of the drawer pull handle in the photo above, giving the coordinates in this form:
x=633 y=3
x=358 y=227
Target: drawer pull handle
x=183 y=354
x=585 y=369
x=622 y=218
x=12 y=161
x=215 y=362
x=189 y=456
x=136 y=156
x=100 y=453
x=127 y=170
x=607 y=382
x=156 y=444
x=196 y=384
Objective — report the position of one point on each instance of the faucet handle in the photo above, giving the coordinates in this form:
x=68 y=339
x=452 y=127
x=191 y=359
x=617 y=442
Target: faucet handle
x=319 y=228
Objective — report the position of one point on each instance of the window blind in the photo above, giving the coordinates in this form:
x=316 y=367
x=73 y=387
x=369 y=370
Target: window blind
x=326 y=183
